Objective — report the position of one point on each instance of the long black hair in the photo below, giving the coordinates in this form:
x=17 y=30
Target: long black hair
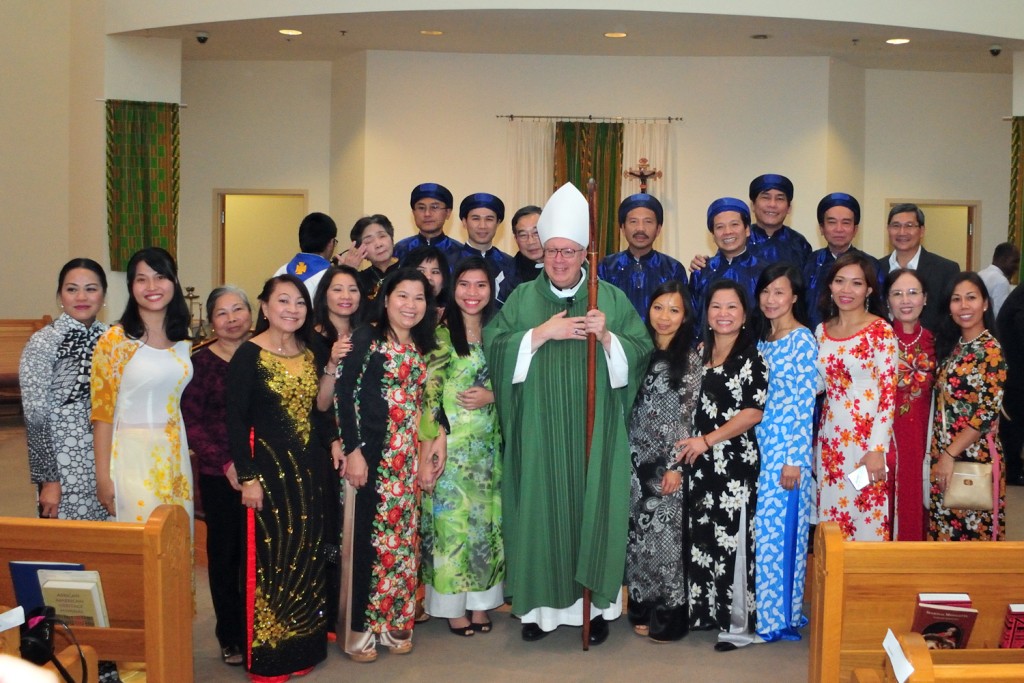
x=762 y=326
x=423 y=332
x=745 y=339
x=453 y=315
x=320 y=313
x=677 y=354
x=421 y=255
x=304 y=333
x=948 y=332
x=177 y=316
x=86 y=263
x=828 y=308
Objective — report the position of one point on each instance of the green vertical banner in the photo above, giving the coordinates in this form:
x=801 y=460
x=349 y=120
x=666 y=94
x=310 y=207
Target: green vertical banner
x=589 y=149
x=143 y=160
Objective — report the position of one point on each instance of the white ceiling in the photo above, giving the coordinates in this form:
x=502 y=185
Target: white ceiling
x=567 y=32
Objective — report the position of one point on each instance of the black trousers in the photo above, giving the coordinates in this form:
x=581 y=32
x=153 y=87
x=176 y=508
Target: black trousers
x=225 y=528
x=1011 y=434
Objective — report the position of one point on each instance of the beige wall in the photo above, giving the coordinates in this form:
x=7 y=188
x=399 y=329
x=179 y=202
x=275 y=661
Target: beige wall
x=937 y=136
x=34 y=163
x=249 y=126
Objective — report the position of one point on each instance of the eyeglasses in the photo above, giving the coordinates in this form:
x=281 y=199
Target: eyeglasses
x=905 y=294
x=904 y=226
x=527 y=236
x=565 y=253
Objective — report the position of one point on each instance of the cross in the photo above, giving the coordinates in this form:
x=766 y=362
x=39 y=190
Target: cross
x=642 y=173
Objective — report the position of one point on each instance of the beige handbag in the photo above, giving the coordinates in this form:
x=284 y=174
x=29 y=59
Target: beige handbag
x=970 y=488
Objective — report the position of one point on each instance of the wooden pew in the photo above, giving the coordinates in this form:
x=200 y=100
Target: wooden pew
x=970 y=665
x=863 y=589
x=147 y=583
x=14 y=333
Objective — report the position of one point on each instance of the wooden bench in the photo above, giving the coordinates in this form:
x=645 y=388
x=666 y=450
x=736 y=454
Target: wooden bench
x=863 y=589
x=147 y=583
x=14 y=334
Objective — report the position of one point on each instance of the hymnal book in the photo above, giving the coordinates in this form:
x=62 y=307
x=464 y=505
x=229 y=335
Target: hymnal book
x=75 y=596
x=951 y=599
x=944 y=627
x=25 y=578
x=1013 y=627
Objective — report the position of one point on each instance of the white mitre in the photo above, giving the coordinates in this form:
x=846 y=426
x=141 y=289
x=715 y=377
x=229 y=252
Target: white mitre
x=566 y=215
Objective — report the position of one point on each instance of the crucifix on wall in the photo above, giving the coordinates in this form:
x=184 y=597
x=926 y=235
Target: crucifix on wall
x=642 y=173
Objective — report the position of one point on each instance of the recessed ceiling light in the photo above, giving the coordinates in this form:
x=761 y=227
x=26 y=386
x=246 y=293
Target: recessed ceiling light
x=760 y=36
x=431 y=32
x=290 y=32
x=615 y=34
x=898 y=41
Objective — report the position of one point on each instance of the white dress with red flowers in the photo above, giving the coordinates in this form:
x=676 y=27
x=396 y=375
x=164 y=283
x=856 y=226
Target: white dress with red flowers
x=857 y=417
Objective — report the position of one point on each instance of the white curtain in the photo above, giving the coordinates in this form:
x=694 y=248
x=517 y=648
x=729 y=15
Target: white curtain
x=652 y=141
x=531 y=155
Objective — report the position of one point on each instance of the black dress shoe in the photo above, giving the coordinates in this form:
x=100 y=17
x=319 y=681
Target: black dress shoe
x=598 y=630
x=532 y=632
x=1015 y=479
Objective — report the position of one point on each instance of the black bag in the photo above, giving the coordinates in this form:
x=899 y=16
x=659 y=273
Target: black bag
x=37 y=641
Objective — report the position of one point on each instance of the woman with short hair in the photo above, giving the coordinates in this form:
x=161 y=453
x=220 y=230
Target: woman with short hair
x=204 y=409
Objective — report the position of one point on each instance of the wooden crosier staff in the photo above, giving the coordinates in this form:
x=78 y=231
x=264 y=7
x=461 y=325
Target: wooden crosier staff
x=591 y=368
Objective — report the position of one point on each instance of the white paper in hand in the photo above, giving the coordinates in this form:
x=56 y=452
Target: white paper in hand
x=12 y=618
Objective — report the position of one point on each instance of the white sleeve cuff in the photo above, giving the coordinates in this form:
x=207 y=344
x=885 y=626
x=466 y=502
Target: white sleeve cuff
x=525 y=358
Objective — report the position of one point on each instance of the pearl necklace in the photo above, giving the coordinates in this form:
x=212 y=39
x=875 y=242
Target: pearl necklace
x=973 y=339
x=906 y=346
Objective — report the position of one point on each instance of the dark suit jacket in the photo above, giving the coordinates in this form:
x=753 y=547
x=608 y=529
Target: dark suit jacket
x=937 y=273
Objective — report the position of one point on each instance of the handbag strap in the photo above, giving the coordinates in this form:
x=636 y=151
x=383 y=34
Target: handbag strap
x=996 y=477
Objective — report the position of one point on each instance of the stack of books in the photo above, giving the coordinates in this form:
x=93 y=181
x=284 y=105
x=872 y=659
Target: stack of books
x=75 y=593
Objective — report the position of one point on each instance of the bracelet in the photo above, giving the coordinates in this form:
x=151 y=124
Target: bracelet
x=333 y=372
x=249 y=482
x=706 y=441
x=946 y=451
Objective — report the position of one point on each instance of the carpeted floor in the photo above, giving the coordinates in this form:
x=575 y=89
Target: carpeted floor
x=495 y=657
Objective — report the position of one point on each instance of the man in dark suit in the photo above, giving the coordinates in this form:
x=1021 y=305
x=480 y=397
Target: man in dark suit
x=1010 y=331
x=906 y=230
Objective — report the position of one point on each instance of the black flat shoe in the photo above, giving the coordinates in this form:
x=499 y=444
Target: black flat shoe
x=725 y=646
x=232 y=655
x=598 y=630
x=533 y=632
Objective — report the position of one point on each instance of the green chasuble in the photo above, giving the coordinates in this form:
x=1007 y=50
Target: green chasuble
x=563 y=529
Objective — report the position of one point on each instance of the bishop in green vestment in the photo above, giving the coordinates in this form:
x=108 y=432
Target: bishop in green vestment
x=564 y=523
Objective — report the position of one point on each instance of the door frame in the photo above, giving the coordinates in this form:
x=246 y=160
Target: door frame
x=219 y=200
